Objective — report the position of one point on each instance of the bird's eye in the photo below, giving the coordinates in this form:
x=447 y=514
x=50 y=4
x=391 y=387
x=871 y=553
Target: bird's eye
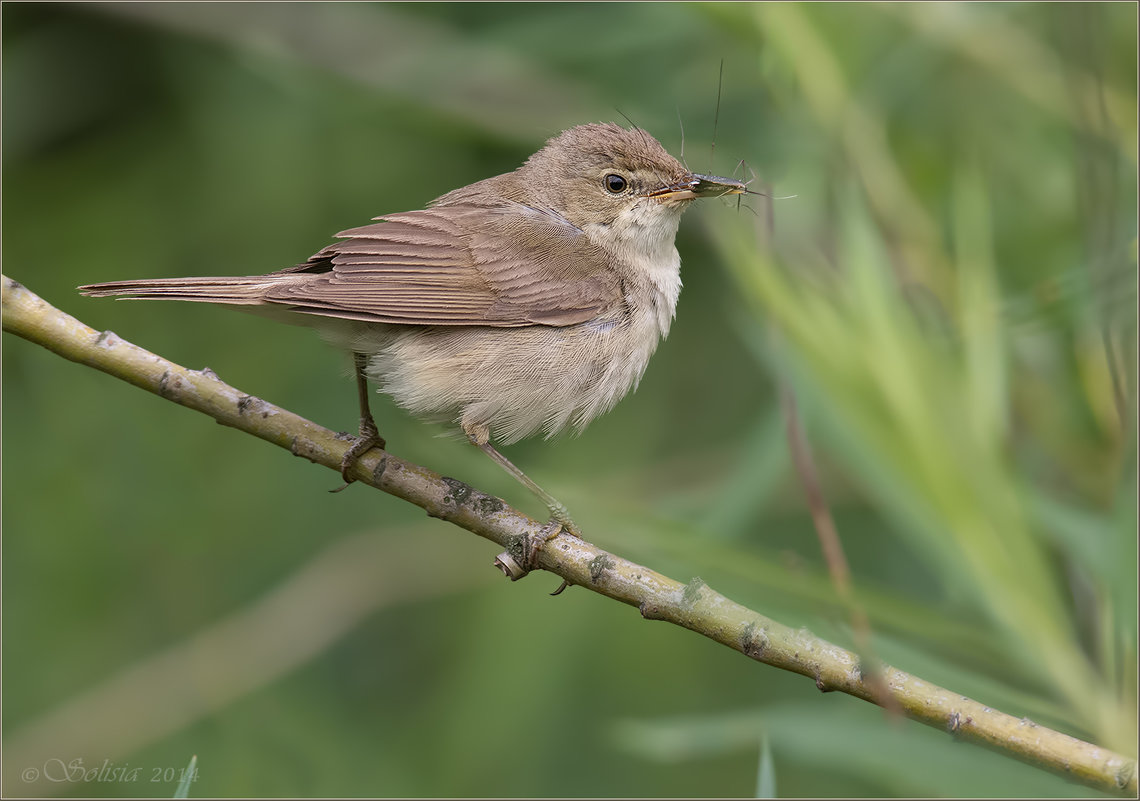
x=615 y=184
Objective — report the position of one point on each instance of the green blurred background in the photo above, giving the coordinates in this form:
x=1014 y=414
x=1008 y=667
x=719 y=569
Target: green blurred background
x=946 y=282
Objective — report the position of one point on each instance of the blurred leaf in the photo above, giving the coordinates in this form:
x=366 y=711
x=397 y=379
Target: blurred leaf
x=908 y=759
x=766 y=772
x=188 y=776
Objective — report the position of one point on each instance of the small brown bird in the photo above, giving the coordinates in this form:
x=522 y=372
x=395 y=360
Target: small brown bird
x=529 y=301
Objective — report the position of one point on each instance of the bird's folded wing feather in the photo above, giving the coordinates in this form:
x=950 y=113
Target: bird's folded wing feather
x=459 y=265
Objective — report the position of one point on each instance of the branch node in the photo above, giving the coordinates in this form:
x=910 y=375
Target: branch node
x=105 y=338
x=599 y=565
x=820 y=684
x=954 y=722
x=1123 y=775
x=692 y=592
x=518 y=548
x=303 y=447
x=650 y=610
x=510 y=567
x=458 y=492
x=381 y=466
x=167 y=387
x=753 y=641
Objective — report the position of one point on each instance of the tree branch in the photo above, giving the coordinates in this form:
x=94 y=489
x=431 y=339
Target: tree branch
x=694 y=606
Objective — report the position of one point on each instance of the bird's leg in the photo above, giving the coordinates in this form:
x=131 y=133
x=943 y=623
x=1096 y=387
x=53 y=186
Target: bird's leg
x=558 y=514
x=369 y=435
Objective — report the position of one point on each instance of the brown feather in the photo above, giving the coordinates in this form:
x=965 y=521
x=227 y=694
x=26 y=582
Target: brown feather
x=461 y=264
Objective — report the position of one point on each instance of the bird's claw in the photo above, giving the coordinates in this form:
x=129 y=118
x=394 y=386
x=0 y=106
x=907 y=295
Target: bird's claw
x=369 y=438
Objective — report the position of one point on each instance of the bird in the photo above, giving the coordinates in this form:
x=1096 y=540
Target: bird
x=523 y=303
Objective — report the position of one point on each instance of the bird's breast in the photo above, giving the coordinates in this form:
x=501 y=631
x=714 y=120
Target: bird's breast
x=520 y=381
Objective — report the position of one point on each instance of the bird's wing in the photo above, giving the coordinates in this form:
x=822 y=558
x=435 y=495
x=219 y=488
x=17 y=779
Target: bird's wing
x=456 y=265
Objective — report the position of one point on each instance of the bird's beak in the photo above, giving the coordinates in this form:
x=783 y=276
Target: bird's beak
x=696 y=186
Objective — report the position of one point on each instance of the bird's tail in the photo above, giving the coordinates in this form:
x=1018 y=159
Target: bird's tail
x=231 y=290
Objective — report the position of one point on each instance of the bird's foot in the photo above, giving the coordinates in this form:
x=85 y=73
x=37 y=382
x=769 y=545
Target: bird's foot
x=560 y=521
x=368 y=439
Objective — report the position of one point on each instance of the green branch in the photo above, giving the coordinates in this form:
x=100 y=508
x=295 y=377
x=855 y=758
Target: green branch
x=694 y=606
